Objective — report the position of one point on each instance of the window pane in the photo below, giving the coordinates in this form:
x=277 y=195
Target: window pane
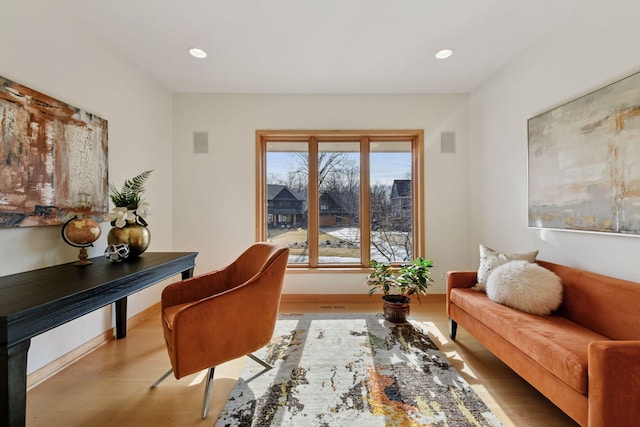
x=391 y=201
x=317 y=209
x=339 y=202
x=287 y=184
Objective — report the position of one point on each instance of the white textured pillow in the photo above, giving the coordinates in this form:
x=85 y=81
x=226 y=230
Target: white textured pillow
x=526 y=287
x=491 y=259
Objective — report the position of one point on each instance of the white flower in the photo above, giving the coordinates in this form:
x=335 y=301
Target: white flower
x=143 y=209
x=120 y=216
x=117 y=212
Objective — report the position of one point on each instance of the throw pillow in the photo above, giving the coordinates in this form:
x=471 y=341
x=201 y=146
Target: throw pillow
x=526 y=287
x=490 y=259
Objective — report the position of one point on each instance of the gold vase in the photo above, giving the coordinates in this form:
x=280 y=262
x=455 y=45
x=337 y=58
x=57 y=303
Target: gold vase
x=134 y=235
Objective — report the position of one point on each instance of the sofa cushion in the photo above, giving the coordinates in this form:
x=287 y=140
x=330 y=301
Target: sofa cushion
x=554 y=342
x=525 y=286
x=605 y=304
x=490 y=259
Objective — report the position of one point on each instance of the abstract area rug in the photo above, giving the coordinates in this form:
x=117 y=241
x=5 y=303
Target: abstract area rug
x=355 y=370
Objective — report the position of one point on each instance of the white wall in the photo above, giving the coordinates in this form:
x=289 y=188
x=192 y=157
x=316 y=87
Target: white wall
x=596 y=47
x=42 y=50
x=214 y=193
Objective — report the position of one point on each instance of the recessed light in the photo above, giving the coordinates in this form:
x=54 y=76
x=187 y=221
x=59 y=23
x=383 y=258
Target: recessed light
x=444 y=53
x=197 y=53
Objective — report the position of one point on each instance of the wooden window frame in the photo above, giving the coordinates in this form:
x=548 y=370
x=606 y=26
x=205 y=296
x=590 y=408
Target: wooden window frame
x=263 y=137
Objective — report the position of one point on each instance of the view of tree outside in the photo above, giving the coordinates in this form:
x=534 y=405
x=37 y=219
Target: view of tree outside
x=287 y=189
x=339 y=202
x=339 y=210
x=391 y=205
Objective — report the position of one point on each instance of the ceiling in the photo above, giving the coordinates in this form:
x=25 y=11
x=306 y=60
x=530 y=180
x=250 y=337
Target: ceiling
x=318 y=46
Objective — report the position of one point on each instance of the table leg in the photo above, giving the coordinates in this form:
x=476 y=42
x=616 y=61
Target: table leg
x=187 y=273
x=13 y=384
x=121 y=309
x=121 y=318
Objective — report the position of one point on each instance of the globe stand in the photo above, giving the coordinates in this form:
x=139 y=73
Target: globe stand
x=83 y=257
x=82 y=242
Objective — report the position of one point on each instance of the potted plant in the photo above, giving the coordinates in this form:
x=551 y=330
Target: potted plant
x=128 y=202
x=129 y=215
x=397 y=285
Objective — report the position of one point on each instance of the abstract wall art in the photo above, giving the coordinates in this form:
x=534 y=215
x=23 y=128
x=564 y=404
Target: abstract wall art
x=53 y=159
x=584 y=162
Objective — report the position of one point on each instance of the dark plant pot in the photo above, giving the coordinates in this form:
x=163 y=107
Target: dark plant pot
x=396 y=308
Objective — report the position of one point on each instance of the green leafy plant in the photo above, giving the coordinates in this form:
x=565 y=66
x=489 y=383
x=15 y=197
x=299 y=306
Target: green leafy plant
x=408 y=279
x=131 y=193
x=381 y=279
x=128 y=201
x=415 y=278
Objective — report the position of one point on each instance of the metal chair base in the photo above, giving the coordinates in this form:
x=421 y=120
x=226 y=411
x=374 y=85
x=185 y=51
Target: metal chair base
x=208 y=391
x=162 y=378
x=208 y=388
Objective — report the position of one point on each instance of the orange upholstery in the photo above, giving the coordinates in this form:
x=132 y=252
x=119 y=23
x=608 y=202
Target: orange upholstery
x=554 y=342
x=613 y=397
x=225 y=314
x=576 y=357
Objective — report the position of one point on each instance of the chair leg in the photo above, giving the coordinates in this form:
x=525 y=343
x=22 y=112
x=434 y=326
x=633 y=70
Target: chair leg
x=260 y=361
x=159 y=380
x=208 y=388
x=208 y=391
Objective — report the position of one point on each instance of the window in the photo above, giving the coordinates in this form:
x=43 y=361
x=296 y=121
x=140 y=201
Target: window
x=310 y=195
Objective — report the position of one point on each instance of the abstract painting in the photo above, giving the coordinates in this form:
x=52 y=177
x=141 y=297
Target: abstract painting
x=53 y=159
x=584 y=162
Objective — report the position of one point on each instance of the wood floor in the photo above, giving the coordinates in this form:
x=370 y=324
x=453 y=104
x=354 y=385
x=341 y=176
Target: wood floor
x=111 y=385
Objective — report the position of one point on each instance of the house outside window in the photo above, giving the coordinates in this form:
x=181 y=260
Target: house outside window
x=311 y=199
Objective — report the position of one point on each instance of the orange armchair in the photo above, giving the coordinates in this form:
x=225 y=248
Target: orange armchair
x=222 y=315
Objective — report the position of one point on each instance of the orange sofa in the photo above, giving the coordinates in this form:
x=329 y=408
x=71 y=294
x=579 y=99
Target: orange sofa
x=585 y=357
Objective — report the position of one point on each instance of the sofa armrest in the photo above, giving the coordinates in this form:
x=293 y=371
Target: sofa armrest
x=614 y=381
x=459 y=279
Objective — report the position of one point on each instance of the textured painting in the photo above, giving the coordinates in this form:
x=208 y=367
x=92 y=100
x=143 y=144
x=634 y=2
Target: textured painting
x=53 y=159
x=584 y=162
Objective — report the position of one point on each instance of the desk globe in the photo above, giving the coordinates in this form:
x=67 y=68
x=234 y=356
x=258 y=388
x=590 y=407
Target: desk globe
x=81 y=233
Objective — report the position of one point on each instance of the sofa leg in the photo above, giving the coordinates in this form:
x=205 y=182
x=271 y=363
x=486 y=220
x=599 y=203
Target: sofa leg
x=453 y=328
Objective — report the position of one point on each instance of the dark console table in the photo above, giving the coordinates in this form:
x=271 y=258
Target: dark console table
x=35 y=301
